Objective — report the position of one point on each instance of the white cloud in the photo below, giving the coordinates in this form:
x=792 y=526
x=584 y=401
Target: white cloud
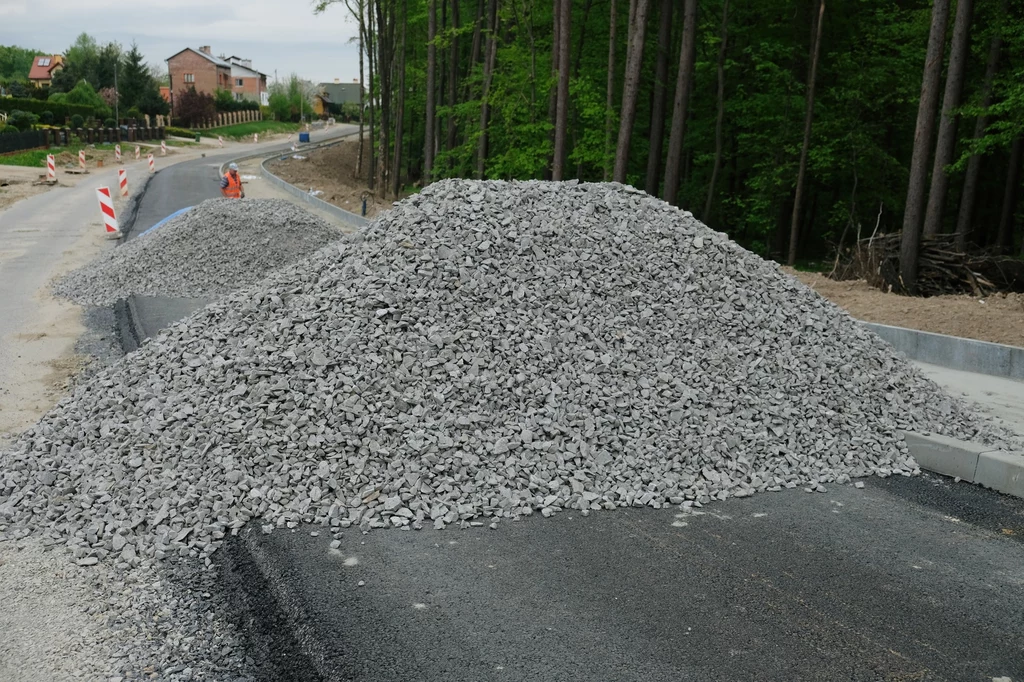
x=277 y=35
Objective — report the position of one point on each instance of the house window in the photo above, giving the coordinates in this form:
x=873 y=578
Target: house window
x=44 y=62
x=238 y=96
x=239 y=82
x=190 y=78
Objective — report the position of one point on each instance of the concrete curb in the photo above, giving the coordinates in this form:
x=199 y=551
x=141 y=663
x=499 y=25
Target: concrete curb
x=996 y=469
x=952 y=352
x=341 y=214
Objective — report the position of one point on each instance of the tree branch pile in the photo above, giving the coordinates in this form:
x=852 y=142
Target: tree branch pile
x=942 y=268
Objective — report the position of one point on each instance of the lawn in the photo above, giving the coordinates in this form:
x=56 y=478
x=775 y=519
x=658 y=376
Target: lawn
x=241 y=130
x=36 y=158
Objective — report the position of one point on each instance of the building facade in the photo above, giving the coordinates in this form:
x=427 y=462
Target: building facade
x=43 y=68
x=197 y=69
x=247 y=83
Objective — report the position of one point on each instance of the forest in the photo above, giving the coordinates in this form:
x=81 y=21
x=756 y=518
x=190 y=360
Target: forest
x=794 y=127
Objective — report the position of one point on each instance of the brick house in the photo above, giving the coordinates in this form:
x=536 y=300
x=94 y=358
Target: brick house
x=43 y=68
x=247 y=83
x=199 y=69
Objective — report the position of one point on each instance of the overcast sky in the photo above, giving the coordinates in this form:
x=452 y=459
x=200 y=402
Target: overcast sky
x=276 y=34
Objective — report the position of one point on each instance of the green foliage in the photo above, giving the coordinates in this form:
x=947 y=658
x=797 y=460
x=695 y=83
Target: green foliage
x=109 y=123
x=15 y=62
x=8 y=130
x=22 y=120
x=77 y=121
x=134 y=79
x=84 y=95
x=246 y=130
x=179 y=132
x=47 y=117
x=86 y=60
x=61 y=111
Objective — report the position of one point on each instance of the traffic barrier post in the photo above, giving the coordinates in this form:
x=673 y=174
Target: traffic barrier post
x=122 y=181
x=163 y=148
x=117 y=153
x=107 y=209
x=152 y=164
x=51 y=168
x=81 y=159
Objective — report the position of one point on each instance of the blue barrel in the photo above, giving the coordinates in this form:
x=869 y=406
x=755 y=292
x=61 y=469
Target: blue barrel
x=303 y=137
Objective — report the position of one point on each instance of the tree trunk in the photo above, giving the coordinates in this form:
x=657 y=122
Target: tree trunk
x=630 y=88
x=371 y=54
x=362 y=93
x=453 y=76
x=556 y=35
x=610 y=92
x=719 y=120
x=948 y=119
x=562 y=102
x=684 y=79
x=583 y=34
x=428 y=144
x=970 y=189
x=477 y=28
x=794 y=228
x=923 y=134
x=1005 y=239
x=396 y=166
x=485 y=112
x=660 y=95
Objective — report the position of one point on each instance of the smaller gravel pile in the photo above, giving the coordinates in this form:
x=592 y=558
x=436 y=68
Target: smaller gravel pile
x=213 y=249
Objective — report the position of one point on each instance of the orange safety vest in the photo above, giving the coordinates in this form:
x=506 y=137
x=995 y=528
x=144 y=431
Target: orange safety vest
x=234 y=188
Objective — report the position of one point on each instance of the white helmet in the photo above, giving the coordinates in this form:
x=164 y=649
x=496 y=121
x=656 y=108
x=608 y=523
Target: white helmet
x=233 y=167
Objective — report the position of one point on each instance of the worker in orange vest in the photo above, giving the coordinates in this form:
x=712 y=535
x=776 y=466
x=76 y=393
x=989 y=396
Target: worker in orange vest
x=231 y=184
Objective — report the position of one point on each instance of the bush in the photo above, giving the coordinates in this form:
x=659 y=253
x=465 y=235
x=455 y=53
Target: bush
x=135 y=113
x=194 y=107
x=8 y=130
x=47 y=118
x=109 y=123
x=179 y=132
x=77 y=121
x=61 y=110
x=22 y=120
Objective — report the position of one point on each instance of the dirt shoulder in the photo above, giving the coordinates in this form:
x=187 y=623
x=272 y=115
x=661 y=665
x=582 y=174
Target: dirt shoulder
x=331 y=172
x=998 y=319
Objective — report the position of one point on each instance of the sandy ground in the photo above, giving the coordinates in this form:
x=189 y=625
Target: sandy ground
x=45 y=347
x=332 y=172
x=999 y=318
x=47 y=633
x=21 y=182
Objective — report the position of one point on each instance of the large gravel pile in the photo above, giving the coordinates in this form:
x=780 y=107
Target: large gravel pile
x=484 y=350
x=216 y=247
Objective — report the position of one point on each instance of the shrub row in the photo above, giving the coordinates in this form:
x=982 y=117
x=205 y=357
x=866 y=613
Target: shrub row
x=61 y=112
x=179 y=132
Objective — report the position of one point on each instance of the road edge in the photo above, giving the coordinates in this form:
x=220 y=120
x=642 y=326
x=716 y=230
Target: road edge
x=988 y=467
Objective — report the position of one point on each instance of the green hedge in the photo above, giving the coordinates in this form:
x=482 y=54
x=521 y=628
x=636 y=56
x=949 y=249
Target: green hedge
x=179 y=132
x=61 y=112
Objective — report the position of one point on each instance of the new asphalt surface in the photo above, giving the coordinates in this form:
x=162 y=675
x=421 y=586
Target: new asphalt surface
x=905 y=579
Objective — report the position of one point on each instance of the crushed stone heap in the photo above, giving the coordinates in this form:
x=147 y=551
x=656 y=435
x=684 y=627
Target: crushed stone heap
x=216 y=247
x=484 y=349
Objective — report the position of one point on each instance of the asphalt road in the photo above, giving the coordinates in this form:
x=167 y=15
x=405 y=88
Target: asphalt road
x=189 y=183
x=906 y=579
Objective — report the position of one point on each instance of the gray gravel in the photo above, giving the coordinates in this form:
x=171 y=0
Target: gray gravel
x=216 y=247
x=483 y=351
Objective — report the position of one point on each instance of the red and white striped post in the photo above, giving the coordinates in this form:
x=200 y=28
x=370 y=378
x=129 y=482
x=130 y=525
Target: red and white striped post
x=51 y=168
x=117 y=153
x=81 y=159
x=163 y=148
x=107 y=209
x=138 y=153
x=152 y=164
x=220 y=141
x=256 y=138
x=122 y=181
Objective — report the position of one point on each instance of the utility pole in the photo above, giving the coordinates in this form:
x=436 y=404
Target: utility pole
x=117 y=98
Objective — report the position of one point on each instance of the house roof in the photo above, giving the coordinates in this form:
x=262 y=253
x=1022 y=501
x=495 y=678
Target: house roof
x=340 y=93
x=43 y=66
x=240 y=70
x=215 y=60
